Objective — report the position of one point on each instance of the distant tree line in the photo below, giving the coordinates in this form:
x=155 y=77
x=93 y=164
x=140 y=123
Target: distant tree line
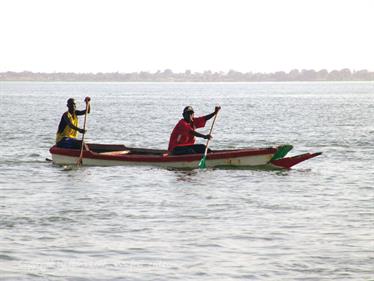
x=189 y=76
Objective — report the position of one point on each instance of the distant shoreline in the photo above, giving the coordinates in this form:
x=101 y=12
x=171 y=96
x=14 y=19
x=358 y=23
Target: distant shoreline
x=183 y=82
x=190 y=77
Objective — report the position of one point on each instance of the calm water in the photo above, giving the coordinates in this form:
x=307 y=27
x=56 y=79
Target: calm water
x=315 y=222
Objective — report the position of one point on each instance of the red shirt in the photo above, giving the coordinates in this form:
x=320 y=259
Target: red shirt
x=182 y=136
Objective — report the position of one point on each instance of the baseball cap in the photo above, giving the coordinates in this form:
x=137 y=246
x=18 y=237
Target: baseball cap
x=188 y=109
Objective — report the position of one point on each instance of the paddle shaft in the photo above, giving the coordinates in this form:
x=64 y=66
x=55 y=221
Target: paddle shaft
x=210 y=132
x=84 y=128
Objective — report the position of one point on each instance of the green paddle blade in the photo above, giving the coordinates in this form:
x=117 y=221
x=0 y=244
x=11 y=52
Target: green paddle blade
x=202 y=164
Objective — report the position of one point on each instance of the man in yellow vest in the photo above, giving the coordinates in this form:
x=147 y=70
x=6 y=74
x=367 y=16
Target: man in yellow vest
x=66 y=136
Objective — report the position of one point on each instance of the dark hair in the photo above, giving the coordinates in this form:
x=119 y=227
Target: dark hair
x=71 y=101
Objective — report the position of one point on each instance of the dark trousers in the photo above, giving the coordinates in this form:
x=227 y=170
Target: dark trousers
x=189 y=149
x=69 y=143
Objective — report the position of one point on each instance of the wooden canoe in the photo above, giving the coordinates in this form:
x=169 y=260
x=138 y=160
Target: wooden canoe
x=117 y=154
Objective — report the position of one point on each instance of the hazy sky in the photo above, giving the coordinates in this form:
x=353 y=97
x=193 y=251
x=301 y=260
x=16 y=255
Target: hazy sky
x=218 y=35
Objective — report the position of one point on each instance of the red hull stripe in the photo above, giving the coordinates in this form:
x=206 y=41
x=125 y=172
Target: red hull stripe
x=163 y=159
x=288 y=162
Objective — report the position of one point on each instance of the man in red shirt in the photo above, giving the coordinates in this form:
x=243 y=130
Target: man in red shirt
x=182 y=139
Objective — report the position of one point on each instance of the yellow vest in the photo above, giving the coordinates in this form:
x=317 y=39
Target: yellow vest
x=68 y=132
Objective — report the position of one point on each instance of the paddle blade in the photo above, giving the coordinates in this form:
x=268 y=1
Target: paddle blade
x=202 y=164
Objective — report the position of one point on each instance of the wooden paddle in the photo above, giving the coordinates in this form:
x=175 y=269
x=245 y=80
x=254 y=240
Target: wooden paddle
x=202 y=164
x=80 y=162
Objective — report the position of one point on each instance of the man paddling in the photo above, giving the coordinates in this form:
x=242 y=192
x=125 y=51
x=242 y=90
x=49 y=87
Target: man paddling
x=68 y=129
x=182 y=138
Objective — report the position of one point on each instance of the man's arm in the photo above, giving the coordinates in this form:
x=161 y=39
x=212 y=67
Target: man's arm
x=83 y=112
x=196 y=134
x=210 y=116
x=66 y=119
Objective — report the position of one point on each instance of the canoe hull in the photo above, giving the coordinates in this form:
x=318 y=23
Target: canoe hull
x=246 y=161
x=119 y=155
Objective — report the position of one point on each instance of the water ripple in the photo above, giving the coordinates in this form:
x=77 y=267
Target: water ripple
x=314 y=222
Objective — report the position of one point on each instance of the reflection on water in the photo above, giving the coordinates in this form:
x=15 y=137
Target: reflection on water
x=184 y=175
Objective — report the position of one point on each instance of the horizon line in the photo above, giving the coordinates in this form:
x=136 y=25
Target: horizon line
x=169 y=70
